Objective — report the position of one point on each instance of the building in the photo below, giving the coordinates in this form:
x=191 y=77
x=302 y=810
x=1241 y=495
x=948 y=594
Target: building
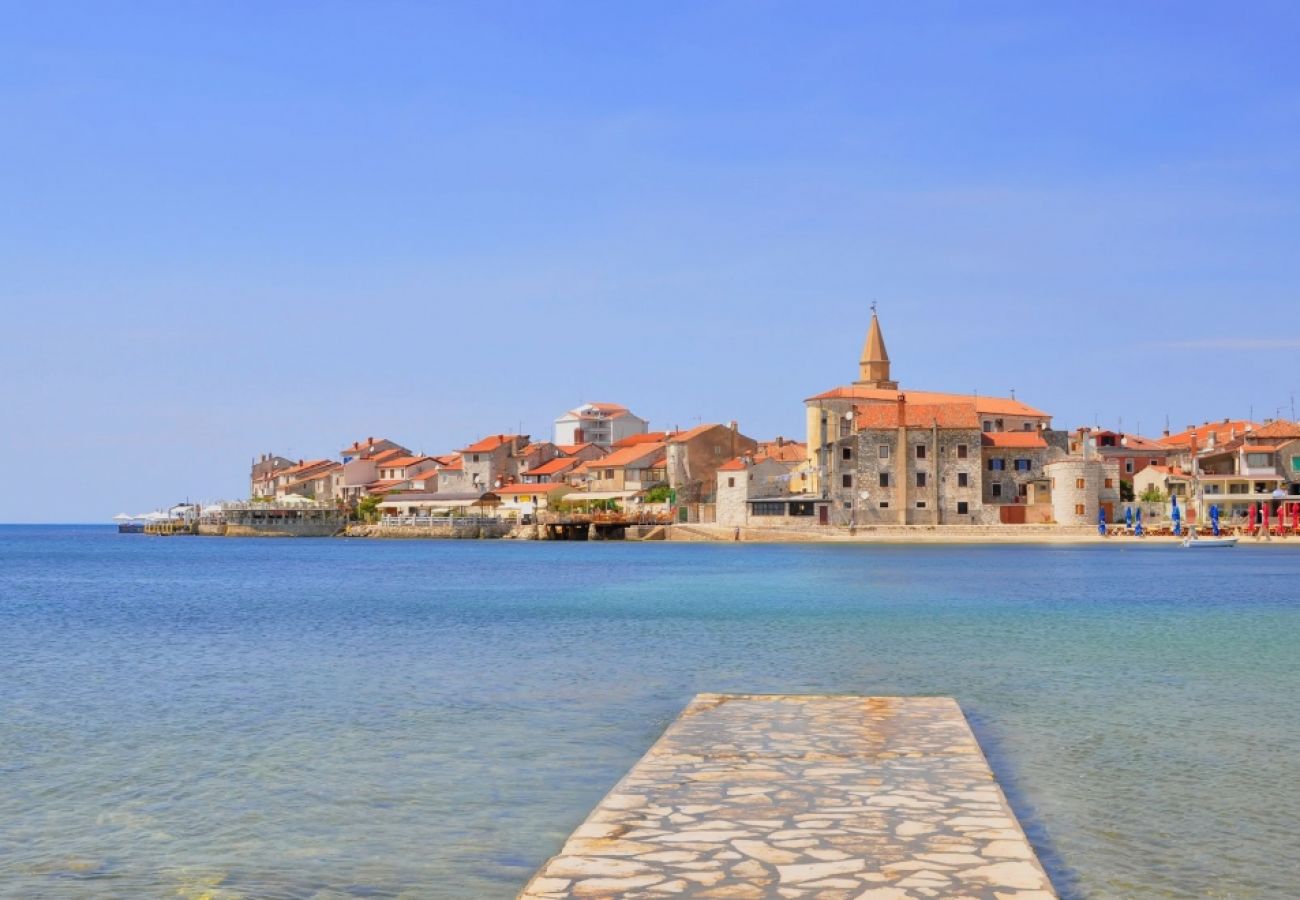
x=486 y=464
x=321 y=480
x=1131 y=453
x=694 y=456
x=755 y=492
x=831 y=415
x=598 y=423
x=519 y=500
x=263 y=477
x=629 y=469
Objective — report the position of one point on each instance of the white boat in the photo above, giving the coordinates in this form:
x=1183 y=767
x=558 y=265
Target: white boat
x=1210 y=542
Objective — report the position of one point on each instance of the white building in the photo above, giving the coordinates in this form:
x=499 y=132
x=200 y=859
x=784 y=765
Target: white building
x=603 y=424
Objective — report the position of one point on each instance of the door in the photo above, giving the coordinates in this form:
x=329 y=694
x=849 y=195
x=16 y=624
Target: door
x=823 y=514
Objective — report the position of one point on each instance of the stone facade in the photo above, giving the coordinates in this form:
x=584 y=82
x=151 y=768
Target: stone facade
x=875 y=477
x=695 y=456
x=1080 y=487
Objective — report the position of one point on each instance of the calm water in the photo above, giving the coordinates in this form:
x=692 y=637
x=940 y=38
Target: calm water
x=192 y=717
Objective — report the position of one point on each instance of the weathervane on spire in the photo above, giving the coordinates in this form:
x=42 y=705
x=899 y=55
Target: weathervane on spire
x=873 y=307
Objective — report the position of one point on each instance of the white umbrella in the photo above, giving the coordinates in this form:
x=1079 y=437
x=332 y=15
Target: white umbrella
x=156 y=516
x=123 y=517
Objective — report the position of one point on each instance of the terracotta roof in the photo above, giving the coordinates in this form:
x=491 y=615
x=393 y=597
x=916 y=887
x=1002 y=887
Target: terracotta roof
x=554 y=467
x=359 y=446
x=572 y=449
x=1278 y=429
x=455 y=465
x=550 y=488
x=382 y=457
x=996 y=406
x=1260 y=448
x=638 y=457
x=683 y=436
x=603 y=409
x=492 y=442
x=649 y=437
x=789 y=451
x=918 y=415
x=733 y=465
x=384 y=484
x=403 y=461
x=1222 y=431
x=307 y=466
x=1173 y=472
x=1019 y=440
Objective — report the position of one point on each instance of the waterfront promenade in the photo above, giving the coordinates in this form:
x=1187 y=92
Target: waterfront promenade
x=877 y=798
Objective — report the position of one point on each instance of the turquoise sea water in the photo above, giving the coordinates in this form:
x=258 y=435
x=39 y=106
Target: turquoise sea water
x=192 y=717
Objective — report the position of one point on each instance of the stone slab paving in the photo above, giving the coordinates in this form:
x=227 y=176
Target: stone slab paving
x=861 y=798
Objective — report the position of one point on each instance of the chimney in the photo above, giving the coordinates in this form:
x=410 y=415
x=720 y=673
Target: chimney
x=733 y=425
x=780 y=442
x=902 y=410
x=1165 y=433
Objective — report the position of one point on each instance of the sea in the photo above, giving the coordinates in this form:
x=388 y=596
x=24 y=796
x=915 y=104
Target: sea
x=218 y=718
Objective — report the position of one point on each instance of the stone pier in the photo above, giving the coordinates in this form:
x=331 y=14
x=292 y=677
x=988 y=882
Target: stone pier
x=861 y=798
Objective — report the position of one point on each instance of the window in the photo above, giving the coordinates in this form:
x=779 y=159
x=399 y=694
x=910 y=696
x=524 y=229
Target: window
x=997 y=465
x=846 y=453
x=962 y=507
x=920 y=479
x=920 y=504
x=1029 y=426
x=884 y=504
x=846 y=481
x=884 y=451
x=884 y=479
x=1079 y=510
x=1128 y=466
x=1080 y=483
x=920 y=451
x=1110 y=482
x=1023 y=490
x=1295 y=463
x=963 y=480
x=1155 y=462
x=1258 y=459
x=609 y=473
x=997 y=489
x=731 y=482
x=801 y=509
x=997 y=423
x=1024 y=465
x=988 y=426
x=961 y=451
x=717 y=450
x=475 y=457
x=768 y=508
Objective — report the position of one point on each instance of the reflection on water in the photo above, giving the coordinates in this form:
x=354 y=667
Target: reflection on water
x=222 y=718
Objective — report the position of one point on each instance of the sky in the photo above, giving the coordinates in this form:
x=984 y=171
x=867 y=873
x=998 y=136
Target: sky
x=230 y=228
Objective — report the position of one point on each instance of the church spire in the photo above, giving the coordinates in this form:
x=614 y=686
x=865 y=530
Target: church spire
x=873 y=368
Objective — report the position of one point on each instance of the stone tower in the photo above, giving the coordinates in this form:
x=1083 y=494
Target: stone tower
x=873 y=368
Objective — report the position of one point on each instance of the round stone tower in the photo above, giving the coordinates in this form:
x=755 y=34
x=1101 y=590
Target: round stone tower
x=1076 y=490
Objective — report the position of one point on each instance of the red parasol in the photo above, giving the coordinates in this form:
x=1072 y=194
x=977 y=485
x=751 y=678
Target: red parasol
x=1254 y=517
x=1265 y=508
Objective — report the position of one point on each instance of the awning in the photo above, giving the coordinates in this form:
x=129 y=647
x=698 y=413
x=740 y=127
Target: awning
x=582 y=496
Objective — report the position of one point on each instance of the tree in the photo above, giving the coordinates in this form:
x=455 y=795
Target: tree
x=1152 y=494
x=368 y=508
x=1126 y=491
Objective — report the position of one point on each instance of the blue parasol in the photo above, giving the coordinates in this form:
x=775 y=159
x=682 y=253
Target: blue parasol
x=1128 y=517
x=1178 y=517
x=1101 y=521
x=1214 y=519
x=1137 y=529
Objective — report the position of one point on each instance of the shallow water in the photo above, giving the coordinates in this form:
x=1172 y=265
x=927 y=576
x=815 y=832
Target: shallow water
x=194 y=717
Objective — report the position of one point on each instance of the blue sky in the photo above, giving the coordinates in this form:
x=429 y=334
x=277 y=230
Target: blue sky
x=229 y=228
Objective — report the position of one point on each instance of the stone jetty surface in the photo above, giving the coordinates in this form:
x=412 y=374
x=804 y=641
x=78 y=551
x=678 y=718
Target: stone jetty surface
x=862 y=798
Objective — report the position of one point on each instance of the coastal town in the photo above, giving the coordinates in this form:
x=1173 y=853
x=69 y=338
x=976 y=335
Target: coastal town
x=879 y=458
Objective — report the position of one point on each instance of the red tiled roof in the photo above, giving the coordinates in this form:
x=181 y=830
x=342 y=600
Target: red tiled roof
x=455 y=465
x=1020 y=440
x=307 y=466
x=638 y=457
x=491 y=442
x=403 y=461
x=383 y=456
x=384 y=484
x=997 y=406
x=683 y=436
x=788 y=451
x=918 y=415
x=1278 y=429
x=733 y=465
x=649 y=437
x=554 y=467
x=1222 y=431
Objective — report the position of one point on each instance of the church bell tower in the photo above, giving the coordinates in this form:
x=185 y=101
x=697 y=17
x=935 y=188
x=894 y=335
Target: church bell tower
x=873 y=368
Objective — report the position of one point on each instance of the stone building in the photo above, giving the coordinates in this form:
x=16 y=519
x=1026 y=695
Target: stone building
x=1080 y=488
x=907 y=464
x=831 y=415
x=694 y=456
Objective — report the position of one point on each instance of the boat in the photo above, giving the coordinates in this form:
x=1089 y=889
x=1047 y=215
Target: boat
x=128 y=524
x=1210 y=542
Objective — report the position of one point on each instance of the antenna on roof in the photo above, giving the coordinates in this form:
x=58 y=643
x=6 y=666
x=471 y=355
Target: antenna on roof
x=1013 y=393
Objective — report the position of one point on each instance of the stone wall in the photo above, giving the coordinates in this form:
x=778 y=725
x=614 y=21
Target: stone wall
x=904 y=501
x=1076 y=490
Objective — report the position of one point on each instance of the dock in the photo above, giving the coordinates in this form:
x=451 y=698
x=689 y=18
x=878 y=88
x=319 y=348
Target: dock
x=787 y=796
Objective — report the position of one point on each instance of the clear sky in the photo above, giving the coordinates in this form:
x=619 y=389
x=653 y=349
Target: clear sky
x=229 y=228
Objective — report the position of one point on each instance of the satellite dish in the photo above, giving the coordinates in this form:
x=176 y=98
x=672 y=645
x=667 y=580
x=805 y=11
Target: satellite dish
x=865 y=495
